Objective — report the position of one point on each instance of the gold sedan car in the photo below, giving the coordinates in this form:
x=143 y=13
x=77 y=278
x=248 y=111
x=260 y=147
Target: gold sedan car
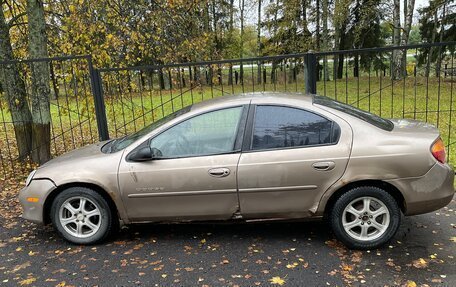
x=254 y=156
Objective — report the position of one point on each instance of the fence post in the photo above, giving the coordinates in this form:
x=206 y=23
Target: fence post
x=310 y=72
x=100 y=110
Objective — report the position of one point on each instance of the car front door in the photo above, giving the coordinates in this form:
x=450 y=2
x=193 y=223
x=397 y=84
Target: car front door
x=194 y=173
x=292 y=157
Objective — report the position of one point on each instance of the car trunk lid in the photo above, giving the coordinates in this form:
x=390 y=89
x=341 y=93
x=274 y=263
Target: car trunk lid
x=418 y=128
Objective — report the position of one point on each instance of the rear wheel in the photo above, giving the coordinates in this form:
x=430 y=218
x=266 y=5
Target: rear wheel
x=365 y=217
x=82 y=216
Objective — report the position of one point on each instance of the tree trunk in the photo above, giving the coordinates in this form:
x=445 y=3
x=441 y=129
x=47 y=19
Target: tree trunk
x=438 y=64
x=41 y=115
x=340 y=66
x=55 y=84
x=15 y=93
x=241 y=48
x=231 y=15
x=325 y=39
x=335 y=57
x=161 y=80
x=317 y=27
x=305 y=28
x=408 y=18
x=274 y=72
x=259 y=42
x=432 y=49
x=317 y=34
x=214 y=23
x=340 y=61
x=396 y=61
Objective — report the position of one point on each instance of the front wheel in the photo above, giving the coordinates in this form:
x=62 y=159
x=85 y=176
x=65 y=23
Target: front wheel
x=82 y=216
x=365 y=217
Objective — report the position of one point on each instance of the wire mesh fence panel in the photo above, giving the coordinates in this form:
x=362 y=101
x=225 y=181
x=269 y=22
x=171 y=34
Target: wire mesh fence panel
x=135 y=97
x=68 y=114
x=414 y=82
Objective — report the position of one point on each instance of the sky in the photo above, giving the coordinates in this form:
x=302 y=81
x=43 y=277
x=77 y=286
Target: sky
x=418 y=4
x=252 y=16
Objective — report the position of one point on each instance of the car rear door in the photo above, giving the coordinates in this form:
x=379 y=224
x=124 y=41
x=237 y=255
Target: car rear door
x=291 y=156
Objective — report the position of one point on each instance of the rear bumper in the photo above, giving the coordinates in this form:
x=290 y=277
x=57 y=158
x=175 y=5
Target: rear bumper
x=427 y=193
x=33 y=211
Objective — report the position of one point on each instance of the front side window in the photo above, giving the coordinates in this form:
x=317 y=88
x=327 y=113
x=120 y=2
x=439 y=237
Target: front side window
x=282 y=127
x=210 y=133
x=119 y=144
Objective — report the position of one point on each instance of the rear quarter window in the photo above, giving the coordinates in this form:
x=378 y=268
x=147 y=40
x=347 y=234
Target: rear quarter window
x=372 y=119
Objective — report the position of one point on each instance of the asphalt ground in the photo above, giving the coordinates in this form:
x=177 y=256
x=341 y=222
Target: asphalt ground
x=249 y=254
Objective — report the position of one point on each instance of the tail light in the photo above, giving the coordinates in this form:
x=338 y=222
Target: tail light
x=438 y=150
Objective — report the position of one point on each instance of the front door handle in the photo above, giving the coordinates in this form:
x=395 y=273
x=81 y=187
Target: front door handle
x=219 y=172
x=324 y=165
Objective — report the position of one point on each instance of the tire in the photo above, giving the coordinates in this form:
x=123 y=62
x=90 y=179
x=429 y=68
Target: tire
x=89 y=225
x=359 y=228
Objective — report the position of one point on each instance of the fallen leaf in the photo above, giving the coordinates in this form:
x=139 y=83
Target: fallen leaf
x=411 y=283
x=293 y=265
x=420 y=263
x=27 y=281
x=347 y=267
x=277 y=280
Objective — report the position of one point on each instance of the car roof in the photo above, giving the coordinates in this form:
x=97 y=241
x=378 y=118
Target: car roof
x=278 y=97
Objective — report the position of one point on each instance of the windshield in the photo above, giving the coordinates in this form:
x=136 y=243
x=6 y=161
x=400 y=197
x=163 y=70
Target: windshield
x=375 y=120
x=121 y=143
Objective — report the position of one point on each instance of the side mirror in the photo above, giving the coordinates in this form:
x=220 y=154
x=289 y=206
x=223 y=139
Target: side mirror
x=145 y=153
x=156 y=153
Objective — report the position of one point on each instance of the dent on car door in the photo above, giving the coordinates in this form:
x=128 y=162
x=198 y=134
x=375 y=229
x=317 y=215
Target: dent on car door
x=292 y=157
x=195 y=176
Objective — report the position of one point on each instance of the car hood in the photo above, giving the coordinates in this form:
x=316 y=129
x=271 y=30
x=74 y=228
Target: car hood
x=88 y=164
x=83 y=153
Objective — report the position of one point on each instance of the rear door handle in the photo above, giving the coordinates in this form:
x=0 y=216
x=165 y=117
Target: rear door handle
x=324 y=165
x=219 y=172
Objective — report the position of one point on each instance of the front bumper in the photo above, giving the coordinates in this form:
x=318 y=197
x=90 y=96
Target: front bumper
x=427 y=193
x=38 y=188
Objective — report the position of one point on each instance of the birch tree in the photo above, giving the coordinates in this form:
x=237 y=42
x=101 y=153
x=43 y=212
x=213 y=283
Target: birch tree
x=41 y=115
x=259 y=41
x=396 y=58
x=325 y=36
x=14 y=90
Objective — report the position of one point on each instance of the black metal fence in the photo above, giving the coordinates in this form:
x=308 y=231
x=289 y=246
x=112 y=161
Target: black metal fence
x=90 y=104
x=72 y=108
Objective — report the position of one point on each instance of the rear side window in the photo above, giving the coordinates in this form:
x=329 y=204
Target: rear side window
x=282 y=127
x=375 y=120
